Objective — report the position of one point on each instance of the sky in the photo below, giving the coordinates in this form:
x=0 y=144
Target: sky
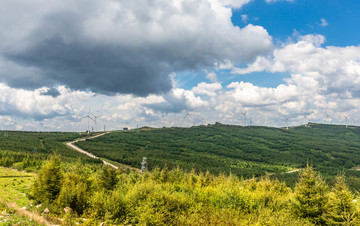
x=164 y=63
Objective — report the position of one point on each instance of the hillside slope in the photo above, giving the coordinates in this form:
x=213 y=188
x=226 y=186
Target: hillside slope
x=28 y=150
x=244 y=151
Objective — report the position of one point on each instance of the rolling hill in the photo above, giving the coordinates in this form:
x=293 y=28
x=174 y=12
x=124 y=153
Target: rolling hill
x=243 y=151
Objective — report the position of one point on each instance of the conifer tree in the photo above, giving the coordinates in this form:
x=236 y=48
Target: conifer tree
x=48 y=182
x=108 y=178
x=310 y=196
x=341 y=208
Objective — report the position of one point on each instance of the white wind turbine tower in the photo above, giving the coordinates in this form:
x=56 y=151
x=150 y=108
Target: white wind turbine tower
x=88 y=119
x=95 y=117
x=244 y=114
x=287 y=122
x=188 y=115
x=346 y=118
x=326 y=117
x=305 y=120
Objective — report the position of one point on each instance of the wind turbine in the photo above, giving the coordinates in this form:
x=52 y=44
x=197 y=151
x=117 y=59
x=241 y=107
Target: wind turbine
x=188 y=115
x=305 y=119
x=88 y=118
x=346 y=118
x=244 y=114
x=326 y=117
x=287 y=122
x=250 y=121
x=95 y=117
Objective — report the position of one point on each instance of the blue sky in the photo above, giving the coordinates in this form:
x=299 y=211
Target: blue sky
x=150 y=65
x=338 y=21
x=281 y=19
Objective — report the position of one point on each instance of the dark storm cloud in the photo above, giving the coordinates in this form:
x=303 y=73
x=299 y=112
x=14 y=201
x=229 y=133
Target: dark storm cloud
x=104 y=69
x=120 y=46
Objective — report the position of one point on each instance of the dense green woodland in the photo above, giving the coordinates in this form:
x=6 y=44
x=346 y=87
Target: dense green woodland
x=163 y=197
x=28 y=150
x=242 y=151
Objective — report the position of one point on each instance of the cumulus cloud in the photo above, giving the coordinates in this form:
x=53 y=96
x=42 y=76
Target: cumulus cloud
x=115 y=47
x=177 y=100
x=209 y=89
x=331 y=68
x=34 y=104
x=249 y=95
x=322 y=79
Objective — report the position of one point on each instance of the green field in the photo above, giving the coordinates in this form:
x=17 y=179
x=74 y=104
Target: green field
x=243 y=151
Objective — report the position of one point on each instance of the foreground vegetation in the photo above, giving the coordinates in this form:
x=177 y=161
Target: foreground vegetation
x=9 y=216
x=14 y=201
x=242 y=151
x=174 y=197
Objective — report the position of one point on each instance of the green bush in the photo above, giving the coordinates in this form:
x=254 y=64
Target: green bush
x=74 y=193
x=48 y=182
x=341 y=209
x=310 y=196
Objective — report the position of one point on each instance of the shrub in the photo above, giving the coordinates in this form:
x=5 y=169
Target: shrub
x=48 y=182
x=310 y=196
x=342 y=209
x=73 y=193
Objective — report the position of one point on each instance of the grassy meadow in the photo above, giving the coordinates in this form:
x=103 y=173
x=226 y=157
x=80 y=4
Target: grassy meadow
x=14 y=199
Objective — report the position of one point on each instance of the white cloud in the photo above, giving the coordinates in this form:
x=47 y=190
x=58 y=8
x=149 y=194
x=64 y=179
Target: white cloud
x=321 y=79
x=330 y=68
x=33 y=104
x=244 y=18
x=316 y=40
x=209 y=89
x=207 y=103
x=249 y=95
x=323 y=22
x=234 y=3
x=212 y=77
